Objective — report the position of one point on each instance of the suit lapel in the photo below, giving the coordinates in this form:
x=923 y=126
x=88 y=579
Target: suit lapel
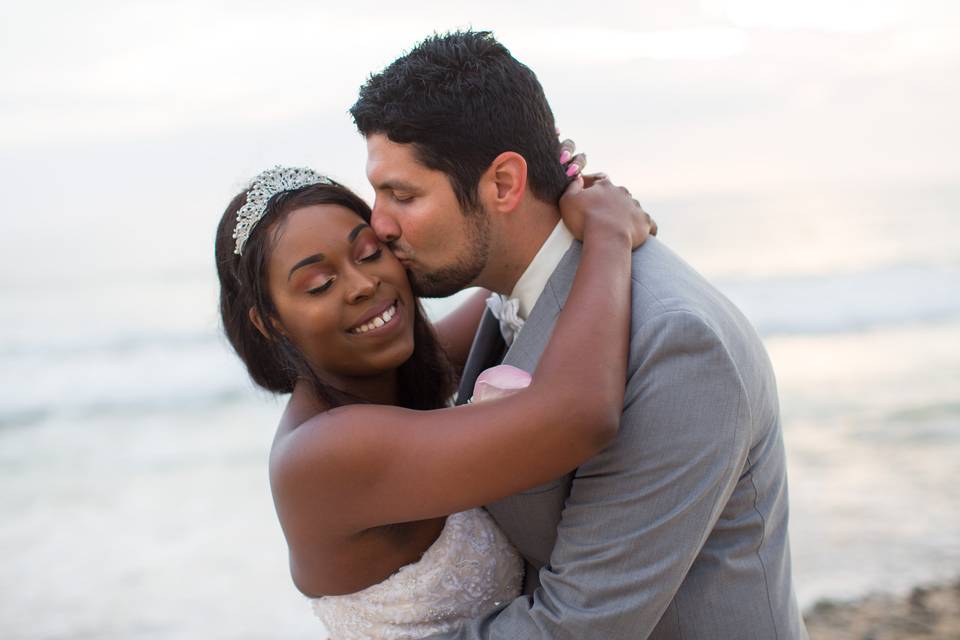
x=486 y=351
x=488 y=345
x=526 y=349
x=530 y=518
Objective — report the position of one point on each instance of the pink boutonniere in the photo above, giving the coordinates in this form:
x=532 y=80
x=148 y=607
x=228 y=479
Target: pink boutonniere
x=499 y=382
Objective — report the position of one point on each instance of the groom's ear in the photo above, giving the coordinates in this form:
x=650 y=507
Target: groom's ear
x=504 y=182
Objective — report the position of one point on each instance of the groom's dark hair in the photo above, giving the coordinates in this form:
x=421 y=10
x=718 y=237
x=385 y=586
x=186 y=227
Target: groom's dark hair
x=461 y=99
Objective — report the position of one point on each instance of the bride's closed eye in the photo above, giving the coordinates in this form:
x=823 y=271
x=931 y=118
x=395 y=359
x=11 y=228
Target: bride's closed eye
x=326 y=285
x=373 y=255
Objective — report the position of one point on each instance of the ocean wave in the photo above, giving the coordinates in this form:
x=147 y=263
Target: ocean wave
x=841 y=303
x=130 y=341
x=155 y=377
x=120 y=406
x=118 y=365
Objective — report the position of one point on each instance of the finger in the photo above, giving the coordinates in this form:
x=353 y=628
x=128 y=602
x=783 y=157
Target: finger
x=650 y=221
x=576 y=165
x=580 y=160
x=574 y=187
x=591 y=179
x=567 y=149
x=643 y=211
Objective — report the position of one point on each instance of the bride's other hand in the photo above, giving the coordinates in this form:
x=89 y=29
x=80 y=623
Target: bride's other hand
x=593 y=201
x=573 y=162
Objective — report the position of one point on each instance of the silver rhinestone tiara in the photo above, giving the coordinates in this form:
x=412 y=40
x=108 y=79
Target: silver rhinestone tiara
x=266 y=185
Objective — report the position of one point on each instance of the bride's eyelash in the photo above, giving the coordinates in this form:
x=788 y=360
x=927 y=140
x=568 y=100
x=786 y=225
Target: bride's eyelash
x=373 y=256
x=326 y=285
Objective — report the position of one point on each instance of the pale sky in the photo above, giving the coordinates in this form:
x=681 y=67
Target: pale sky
x=130 y=124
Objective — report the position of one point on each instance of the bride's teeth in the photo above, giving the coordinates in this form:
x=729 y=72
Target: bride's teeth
x=378 y=321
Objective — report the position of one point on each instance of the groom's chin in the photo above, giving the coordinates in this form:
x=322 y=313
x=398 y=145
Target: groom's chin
x=423 y=288
x=435 y=285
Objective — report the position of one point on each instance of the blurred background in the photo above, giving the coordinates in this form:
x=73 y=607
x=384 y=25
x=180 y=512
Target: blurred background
x=803 y=156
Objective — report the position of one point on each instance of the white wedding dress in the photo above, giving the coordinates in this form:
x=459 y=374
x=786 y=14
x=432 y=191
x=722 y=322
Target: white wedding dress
x=469 y=570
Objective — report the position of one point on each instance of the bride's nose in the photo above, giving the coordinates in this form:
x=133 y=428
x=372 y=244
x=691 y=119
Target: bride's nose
x=361 y=285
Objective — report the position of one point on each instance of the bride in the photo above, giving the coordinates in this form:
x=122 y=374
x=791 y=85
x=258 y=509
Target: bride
x=368 y=461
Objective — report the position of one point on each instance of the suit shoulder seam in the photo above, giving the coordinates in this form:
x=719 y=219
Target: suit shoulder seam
x=693 y=313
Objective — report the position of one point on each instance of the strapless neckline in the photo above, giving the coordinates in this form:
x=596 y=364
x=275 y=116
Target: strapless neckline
x=469 y=570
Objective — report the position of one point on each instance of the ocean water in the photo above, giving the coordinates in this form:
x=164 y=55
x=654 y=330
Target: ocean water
x=133 y=448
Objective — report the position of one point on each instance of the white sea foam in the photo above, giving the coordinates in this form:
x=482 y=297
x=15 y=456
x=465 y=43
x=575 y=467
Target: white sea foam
x=118 y=359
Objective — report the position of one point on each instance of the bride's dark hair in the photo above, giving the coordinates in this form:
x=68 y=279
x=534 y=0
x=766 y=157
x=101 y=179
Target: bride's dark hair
x=273 y=361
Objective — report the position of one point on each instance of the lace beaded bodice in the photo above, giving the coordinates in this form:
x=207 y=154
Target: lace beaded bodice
x=470 y=569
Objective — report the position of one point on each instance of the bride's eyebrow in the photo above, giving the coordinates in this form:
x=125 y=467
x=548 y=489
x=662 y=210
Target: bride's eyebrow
x=317 y=257
x=356 y=231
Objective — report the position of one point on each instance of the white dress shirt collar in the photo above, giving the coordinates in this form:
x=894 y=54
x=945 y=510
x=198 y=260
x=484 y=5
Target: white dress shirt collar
x=534 y=279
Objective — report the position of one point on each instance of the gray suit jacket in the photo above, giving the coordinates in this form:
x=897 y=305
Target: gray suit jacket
x=679 y=528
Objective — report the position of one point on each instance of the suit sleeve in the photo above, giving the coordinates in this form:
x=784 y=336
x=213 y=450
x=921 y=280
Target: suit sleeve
x=640 y=511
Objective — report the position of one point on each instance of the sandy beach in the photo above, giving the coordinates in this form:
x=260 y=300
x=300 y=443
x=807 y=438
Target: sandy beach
x=928 y=613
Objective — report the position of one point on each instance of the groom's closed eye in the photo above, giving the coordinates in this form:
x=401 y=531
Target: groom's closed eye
x=398 y=190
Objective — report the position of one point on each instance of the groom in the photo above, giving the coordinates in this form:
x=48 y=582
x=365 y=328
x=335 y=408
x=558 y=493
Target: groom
x=679 y=528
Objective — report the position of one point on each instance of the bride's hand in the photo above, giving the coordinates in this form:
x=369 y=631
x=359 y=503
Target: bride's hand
x=573 y=162
x=592 y=200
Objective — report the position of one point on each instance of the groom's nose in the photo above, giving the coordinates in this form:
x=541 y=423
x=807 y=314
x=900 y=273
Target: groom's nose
x=384 y=224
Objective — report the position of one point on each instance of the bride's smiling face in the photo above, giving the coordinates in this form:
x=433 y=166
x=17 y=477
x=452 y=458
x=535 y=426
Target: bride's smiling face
x=341 y=296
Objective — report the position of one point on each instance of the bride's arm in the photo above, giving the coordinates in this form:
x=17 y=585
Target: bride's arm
x=361 y=466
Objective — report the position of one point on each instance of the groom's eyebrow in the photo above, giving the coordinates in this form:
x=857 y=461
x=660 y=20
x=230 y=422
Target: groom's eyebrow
x=396 y=185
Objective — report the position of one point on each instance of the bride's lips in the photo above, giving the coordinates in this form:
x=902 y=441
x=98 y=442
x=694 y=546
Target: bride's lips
x=381 y=319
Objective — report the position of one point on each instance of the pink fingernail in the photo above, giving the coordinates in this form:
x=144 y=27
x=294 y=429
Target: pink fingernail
x=572 y=170
x=565 y=157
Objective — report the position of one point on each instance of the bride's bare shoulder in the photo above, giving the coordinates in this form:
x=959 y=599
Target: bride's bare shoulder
x=320 y=450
